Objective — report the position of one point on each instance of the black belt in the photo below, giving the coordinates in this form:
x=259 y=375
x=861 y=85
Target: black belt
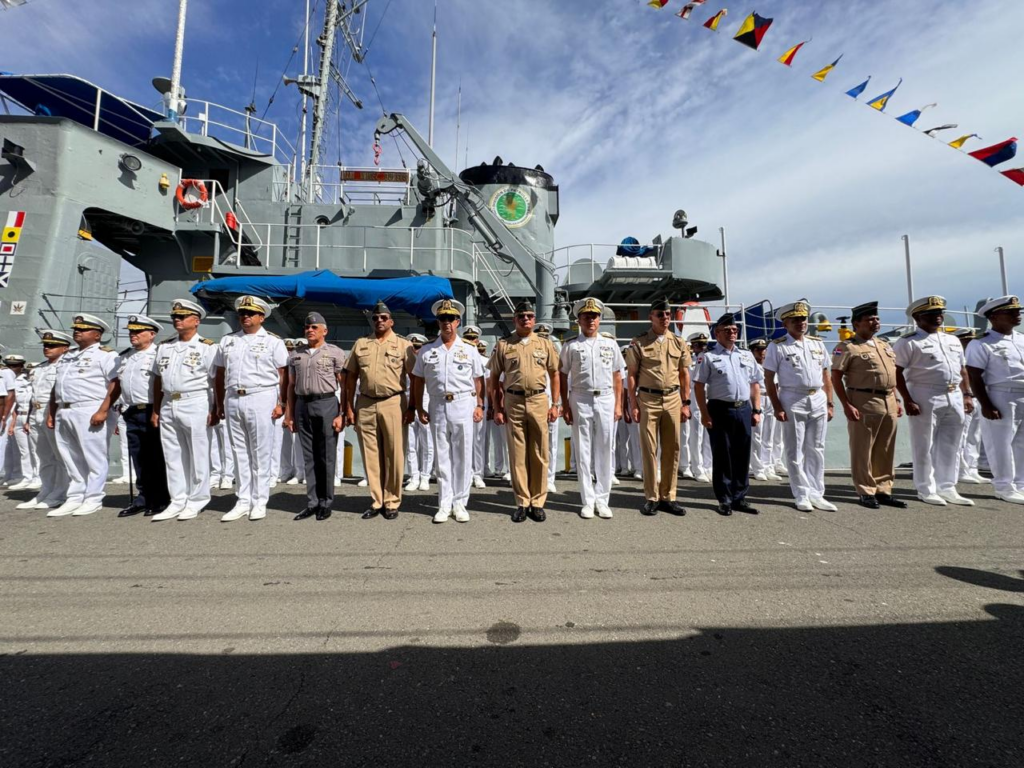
x=526 y=392
x=140 y=407
x=662 y=392
x=371 y=397
x=882 y=392
x=313 y=398
x=730 y=403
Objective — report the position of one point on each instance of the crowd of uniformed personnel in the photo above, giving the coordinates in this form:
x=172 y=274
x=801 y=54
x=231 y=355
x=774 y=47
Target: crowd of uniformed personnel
x=248 y=409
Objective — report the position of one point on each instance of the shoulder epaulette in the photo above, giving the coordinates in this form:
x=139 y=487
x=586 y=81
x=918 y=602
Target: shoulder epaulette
x=779 y=340
x=403 y=338
x=271 y=333
x=106 y=349
x=170 y=340
x=210 y=342
x=508 y=339
x=122 y=353
x=815 y=338
x=908 y=334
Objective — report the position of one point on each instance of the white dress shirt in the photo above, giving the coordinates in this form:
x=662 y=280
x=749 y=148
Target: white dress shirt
x=251 y=360
x=1000 y=357
x=447 y=370
x=83 y=374
x=591 y=362
x=930 y=359
x=136 y=375
x=185 y=366
x=797 y=364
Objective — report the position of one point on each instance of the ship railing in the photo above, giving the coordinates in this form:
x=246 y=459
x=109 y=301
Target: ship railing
x=214 y=213
x=483 y=262
x=596 y=256
x=336 y=184
x=239 y=128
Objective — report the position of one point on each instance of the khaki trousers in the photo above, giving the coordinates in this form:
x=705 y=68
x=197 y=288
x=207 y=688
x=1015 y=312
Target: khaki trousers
x=872 y=443
x=659 y=423
x=380 y=432
x=526 y=430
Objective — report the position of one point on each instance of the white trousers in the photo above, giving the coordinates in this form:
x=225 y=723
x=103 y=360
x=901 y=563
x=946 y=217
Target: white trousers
x=451 y=428
x=293 y=463
x=419 y=451
x=806 y=426
x=970 y=444
x=185 y=439
x=122 y=442
x=7 y=468
x=52 y=474
x=1004 y=439
x=757 y=448
x=222 y=462
x=593 y=428
x=479 y=447
x=83 y=449
x=252 y=441
x=26 y=452
x=935 y=438
x=275 y=456
x=552 y=451
x=496 y=440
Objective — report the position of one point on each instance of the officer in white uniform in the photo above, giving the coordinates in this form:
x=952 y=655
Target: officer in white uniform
x=222 y=460
x=932 y=381
x=8 y=382
x=544 y=330
x=970 y=443
x=798 y=383
x=24 y=457
x=591 y=383
x=85 y=389
x=471 y=333
x=451 y=371
x=419 y=442
x=615 y=427
x=995 y=363
x=761 y=435
x=696 y=445
x=52 y=475
x=184 y=368
x=285 y=468
x=252 y=378
x=136 y=376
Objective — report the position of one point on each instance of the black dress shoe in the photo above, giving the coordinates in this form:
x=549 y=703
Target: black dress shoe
x=868 y=501
x=888 y=500
x=150 y=511
x=650 y=508
x=537 y=513
x=134 y=509
x=724 y=509
x=743 y=506
x=322 y=513
x=673 y=507
x=519 y=515
x=307 y=512
x=371 y=513
x=389 y=514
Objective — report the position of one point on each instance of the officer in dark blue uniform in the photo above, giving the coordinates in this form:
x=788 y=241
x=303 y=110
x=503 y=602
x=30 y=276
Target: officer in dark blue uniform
x=728 y=391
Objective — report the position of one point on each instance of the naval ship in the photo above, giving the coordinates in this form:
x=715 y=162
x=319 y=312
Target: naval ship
x=213 y=201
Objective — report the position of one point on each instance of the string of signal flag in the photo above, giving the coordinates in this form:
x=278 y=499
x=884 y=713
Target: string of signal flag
x=752 y=32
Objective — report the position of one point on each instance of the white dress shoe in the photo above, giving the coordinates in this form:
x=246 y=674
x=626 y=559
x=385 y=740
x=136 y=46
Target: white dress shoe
x=804 y=505
x=760 y=476
x=413 y=484
x=978 y=478
x=819 y=503
x=442 y=515
x=337 y=482
x=18 y=486
x=122 y=480
x=67 y=508
x=615 y=480
x=704 y=478
x=30 y=504
x=292 y=481
x=688 y=473
x=638 y=476
x=774 y=477
x=273 y=482
x=1014 y=497
x=781 y=471
x=172 y=511
x=424 y=483
x=362 y=483
x=603 y=510
x=87 y=509
x=226 y=483
x=35 y=485
x=932 y=498
x=461 y=514
x=507 y=477
x=955 y=498
x=587 y=513
x=258 y=513
x=478 y=482
x=968 y=477
x=237 y=513
x=189 y=513
x=552 y=488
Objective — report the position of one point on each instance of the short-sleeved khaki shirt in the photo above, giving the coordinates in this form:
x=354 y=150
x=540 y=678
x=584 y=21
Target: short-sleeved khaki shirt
x=315 y=371
x=382 y=365
x=867 y=366
x=657 y=363
x=526 y=362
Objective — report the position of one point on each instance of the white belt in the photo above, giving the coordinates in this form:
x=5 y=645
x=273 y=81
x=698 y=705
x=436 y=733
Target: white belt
x=802 y=390
x=81 y=404
x=186 y=395
x=592 y=392
x=243 y=391
x=1008 y=386
x=941 y=389
x=449 y=397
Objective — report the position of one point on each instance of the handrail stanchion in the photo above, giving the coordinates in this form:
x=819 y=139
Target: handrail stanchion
x=318 y=247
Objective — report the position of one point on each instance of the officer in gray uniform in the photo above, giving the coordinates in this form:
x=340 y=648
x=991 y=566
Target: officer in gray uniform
x=316 y=376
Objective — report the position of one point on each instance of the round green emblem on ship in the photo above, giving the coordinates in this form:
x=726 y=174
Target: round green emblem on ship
x=512 y=206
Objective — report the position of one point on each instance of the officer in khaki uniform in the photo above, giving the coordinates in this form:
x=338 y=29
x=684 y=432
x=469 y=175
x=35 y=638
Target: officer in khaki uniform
x=381 y=363
x=529 y=365
x=864 y=379
x=659 y=373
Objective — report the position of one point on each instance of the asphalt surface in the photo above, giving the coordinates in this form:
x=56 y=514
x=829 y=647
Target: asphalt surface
x=850 y=638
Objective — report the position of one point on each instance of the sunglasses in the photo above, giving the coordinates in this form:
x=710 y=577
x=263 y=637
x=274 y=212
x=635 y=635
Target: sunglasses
x=525 y=317
x=661 y=313
x=247 y=313
x=375 y=318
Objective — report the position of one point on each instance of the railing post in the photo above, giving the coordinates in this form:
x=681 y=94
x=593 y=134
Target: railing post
x=96 y=114
x=592 y=274
x=317 y=247
x=412 y=247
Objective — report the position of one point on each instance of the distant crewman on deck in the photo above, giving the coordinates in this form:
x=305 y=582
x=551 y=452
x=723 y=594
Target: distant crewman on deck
x=523 y=371
x=251 y=384
x=728 y=392
x=8 y=383
x=315 y=413
x=85 y=389
x=932 y=380
x=136 y=377
x=53 y=476
x=659 y=400
x=591 y=389
x=995 y=363
x=970 y=443
x=694 y=445
x=800 y=388
x=185 y=368
x=380 y=364
x=21 y=448
x=864 y=379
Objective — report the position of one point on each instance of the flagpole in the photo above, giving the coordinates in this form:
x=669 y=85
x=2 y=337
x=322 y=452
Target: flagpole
x=725 y=270
x=910 y=274
x=1002 y=270
x=433 y=79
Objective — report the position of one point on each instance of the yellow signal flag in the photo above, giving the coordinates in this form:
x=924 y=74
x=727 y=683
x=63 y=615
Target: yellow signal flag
x=822 y=73
x=715 y=20
x=963 y=140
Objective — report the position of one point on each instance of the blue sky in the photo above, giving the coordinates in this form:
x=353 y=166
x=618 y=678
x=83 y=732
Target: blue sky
x=637 y=113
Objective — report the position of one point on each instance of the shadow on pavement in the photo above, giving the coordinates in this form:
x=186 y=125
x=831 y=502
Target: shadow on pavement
x=890 y=695
x=983 y=578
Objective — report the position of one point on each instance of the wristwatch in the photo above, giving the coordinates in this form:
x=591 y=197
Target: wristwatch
x=687 y=401
x=758 y=411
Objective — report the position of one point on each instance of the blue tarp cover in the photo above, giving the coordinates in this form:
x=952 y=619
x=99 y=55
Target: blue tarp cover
x=414 y=295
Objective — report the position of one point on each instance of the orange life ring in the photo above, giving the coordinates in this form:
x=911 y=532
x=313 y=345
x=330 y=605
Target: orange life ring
x=191 y=204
